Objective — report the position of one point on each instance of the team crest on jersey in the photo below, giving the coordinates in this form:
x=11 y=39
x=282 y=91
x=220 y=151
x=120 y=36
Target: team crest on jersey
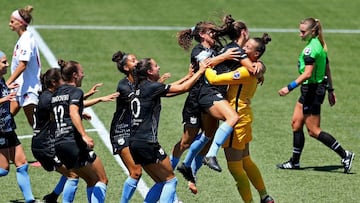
x=193 y=120
x=121 y=141
x=307 y=51
x=236 y=75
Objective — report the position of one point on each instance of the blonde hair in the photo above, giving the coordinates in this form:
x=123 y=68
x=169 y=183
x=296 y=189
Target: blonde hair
x=316 y=28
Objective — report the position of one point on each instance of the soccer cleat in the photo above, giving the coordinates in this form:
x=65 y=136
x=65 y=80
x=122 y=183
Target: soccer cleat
x=347 y=161
x=267 y=199
x=50 y=198
x=186 y=172
x=192 y=187
x=212 y=163
x=288 y=165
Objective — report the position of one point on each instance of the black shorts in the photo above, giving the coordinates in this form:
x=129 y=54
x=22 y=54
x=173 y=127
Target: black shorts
x=9 y=139
x=43 y=149
x=191 y=112
x=312 y=96
x=145 y=153
x=208 y=95
x=74 y=155
x=47 y=158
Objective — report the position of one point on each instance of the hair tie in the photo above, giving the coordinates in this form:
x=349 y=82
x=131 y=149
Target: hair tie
x=18 y=17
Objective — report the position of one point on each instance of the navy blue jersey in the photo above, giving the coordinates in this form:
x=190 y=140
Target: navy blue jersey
x=7 y=123
x=121 y=122
x=42 y=111
x=61 y=100
x=230 y=65
x=44 y=125
x=146 y=107
x=200 y=53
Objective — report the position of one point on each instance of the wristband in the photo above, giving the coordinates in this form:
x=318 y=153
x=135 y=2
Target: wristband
x=292 y=85
x=330 y=89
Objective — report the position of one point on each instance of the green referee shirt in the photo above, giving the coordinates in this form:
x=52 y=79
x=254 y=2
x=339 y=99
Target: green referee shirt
x=313 y=53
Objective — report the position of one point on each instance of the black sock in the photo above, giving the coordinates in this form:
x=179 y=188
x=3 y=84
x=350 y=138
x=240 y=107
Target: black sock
x=332 y=143
x=298 y=145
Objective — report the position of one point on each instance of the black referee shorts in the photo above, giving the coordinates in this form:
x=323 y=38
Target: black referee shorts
x=312 y=97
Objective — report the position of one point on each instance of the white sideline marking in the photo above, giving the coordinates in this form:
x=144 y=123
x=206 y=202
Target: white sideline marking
x=95 y=121
x=97 y=27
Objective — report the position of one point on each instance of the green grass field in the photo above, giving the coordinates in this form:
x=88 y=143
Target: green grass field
x=321 y=179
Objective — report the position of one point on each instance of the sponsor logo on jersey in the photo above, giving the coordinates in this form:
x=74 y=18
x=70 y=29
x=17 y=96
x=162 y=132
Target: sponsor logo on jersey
x=23 y=52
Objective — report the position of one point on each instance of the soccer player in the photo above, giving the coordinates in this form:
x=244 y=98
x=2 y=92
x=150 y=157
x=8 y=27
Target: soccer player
x=144 y=146
x=10 y=146
x=313 y=66
x=242 y=87
x=211 y=100
x=73 y=146
x=120 y=130
x=202 y=97
x=25 y=65
x=42 y=145
x=43 y=141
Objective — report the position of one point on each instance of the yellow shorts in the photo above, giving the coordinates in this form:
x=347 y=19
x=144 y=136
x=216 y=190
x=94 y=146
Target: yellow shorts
x=242 y=133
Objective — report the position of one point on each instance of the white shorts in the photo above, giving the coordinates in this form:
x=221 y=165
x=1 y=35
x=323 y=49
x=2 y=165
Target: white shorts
x=28 y=98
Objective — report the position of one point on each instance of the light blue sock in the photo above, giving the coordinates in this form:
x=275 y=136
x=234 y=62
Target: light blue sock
x=3 y=172
x=196 y=163
x=60 y=185
x=70 y=188
x=89 y=191
x=221 y=134
x=128 y=189
x=99 y=193
x=168 y=191
x=154 y=192
x=174 y=161
x=23 y=180
x=195 y=148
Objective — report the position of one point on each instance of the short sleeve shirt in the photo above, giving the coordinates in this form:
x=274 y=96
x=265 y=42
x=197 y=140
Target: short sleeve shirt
x=146 y=107
x=315 y=54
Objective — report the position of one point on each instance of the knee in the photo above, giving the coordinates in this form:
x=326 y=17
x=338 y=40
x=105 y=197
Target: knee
x=3 y=172
x=295 y=125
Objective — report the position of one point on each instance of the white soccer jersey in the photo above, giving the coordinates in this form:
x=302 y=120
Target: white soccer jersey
x=26 y=50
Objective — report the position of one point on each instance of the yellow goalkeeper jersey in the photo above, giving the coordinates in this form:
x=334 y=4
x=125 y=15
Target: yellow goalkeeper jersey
x=242 y=86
